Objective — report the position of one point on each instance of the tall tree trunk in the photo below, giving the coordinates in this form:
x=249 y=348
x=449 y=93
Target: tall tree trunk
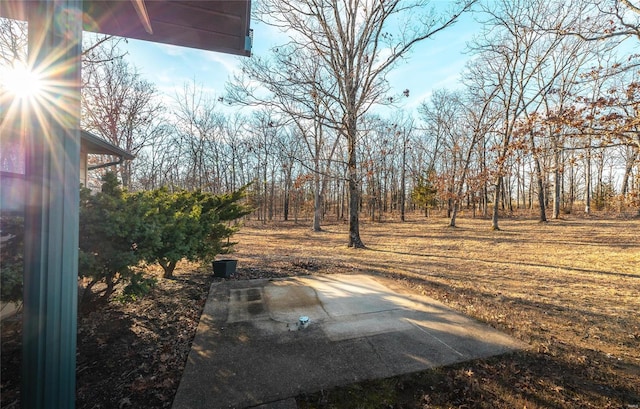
x=272 y=194
x=631 y=160
x=530 y=195
x=296 y=205
x=587 y=207
x=541 y=202
x=354 y=189
x=343 y=199
x=539 y=181
x=354 y=222
x=503 y=195
x=265 y=192
x=518 y=184
x=485 y=182
x=506 y=190
x=485 y=200
x=317 y=197
x=454 y=213
x=600 y=188
x=286 y=204
x=403 y=181
x=496 y=200
x=572 y=186
x=451 y=188
x=317 y=200
x=558 y=183
x=461 y=183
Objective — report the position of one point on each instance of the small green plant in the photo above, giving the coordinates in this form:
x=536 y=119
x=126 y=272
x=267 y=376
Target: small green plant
x=138 y=286
x=425 y=193
x=603 y=196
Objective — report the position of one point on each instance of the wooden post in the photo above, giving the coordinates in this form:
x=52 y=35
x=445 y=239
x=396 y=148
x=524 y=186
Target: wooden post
x=51 y=211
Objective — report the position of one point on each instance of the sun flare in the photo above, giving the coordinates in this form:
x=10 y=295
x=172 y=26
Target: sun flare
x=20 y=81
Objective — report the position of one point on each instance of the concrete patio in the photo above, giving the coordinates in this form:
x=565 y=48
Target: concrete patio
x=250 y=349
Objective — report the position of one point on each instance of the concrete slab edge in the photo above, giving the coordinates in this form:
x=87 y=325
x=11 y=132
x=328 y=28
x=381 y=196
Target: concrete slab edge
x=289 y=403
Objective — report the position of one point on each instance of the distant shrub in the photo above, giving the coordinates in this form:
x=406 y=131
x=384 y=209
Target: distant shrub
x=603 y=196
x=425 y=192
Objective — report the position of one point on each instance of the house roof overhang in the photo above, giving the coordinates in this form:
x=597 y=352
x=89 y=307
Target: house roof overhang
x=98 y=146
x=220 y=25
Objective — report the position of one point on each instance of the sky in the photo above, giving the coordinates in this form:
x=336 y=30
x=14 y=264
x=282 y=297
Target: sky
x=433 y=64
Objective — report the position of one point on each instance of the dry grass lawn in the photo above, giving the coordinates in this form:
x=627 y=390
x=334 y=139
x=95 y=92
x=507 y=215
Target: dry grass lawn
x=569 y=288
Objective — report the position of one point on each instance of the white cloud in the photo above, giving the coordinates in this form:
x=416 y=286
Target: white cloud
x=171 y=50
x=228 y=62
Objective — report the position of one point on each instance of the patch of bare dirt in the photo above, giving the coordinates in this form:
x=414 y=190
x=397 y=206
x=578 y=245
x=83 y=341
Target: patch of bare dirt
x=129 y=355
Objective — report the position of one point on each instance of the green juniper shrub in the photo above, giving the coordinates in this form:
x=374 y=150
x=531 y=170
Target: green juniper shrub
x=111 y=228
x=11 y=253
x=192 y=225
x=425 y=193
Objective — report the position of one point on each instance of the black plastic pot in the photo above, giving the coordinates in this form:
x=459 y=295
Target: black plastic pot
x=224 y=268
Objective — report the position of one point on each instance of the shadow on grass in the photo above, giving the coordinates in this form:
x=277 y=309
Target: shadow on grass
x=510 y=263
x=517 y=380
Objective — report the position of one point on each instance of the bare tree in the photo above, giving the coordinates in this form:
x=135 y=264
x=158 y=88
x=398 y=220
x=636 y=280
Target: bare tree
x=289 y=82
x=479 y=120
x=236 y=145
x=517 y=59
x=13 y=42
x=570 y=59
x=199 y=123
x=321 y=145
x=443 y=117
x=263 y=130
x=120 y=106
x=156 y=164
x=597 y=20
x=358 y=42
x=405 y=130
